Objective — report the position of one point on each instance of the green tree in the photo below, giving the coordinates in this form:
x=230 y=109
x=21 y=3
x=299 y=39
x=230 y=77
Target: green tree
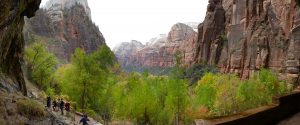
x=177 y=99
x=41 y=64
x=82 y=80
x=88 y=80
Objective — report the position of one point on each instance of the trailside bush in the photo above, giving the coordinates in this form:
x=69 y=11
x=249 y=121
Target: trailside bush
x=227 y=94
x=30 y=109
x=251 y=93
x=197 y=71
x=206 y=90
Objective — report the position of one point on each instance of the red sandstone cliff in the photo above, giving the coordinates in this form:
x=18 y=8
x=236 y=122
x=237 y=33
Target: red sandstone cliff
x=64 y=26
x=242 y=36
x=160 y=51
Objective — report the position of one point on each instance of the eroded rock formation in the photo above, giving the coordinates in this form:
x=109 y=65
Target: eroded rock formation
x=126 y=51
x=64 y=26
x=242 y=36
x=12 y=42
x=160 y=51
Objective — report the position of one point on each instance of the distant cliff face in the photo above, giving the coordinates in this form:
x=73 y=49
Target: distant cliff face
x=64 y=26
x=12 y=42
x=242 y=36
x=160 y=51
x=126 y=51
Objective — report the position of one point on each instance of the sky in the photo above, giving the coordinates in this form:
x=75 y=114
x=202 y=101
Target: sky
x=126 y=20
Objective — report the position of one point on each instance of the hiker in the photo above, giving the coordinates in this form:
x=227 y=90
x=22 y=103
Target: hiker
x=58 y=103
x=54 y=105
x=62 y=105
x=48 y=102
x=84 y=120
x=67 y=107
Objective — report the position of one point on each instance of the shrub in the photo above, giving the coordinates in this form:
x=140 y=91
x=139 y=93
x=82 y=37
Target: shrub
x=270 y=81
x=30 y=109
x=50 y=92
x=227 y=94
x=206 y=90
x=252 y=93
x=226 y=101
x=93 y=114
x=197 y=71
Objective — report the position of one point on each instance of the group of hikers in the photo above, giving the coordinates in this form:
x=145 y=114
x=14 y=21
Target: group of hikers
x=61 y=105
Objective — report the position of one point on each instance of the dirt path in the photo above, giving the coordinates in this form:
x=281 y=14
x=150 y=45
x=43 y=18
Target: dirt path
x=72 y=119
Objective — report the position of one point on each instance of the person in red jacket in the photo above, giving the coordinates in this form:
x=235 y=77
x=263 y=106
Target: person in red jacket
x=68 y=107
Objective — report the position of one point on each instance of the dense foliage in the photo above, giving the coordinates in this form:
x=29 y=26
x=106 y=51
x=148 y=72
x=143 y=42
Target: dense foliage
x=41 y=65
x=227 y=94
x=99 y=88
x=197 y=71
x=86 y=79
x=147 y=99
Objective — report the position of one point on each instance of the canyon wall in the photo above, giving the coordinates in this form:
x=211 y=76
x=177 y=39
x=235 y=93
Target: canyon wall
x=12 y=42
x=64 y=25
x=160 y=51
x=242 y=36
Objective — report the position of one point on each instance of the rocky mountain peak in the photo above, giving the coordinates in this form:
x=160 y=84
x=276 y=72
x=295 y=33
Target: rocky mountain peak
x=134 y=44
x=194 y=25
x=56 y=7
x=157 y=41
x=179 y=32
x=68 y=25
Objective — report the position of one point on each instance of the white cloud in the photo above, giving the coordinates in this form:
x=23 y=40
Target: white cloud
x=125 y=20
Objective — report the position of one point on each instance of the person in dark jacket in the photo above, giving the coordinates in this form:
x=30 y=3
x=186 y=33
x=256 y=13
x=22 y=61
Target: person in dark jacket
x=48 y=102
x=84 y=120
x=54 y=105
x=58 y=103
x=62 y=106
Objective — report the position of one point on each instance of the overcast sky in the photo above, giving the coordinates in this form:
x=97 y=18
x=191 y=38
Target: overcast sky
x=126 y=20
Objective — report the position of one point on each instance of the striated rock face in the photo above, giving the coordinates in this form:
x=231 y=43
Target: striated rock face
x=65 y=26
x=242 y=36
x=12 y=42
x=126 y=51
x=160 y=51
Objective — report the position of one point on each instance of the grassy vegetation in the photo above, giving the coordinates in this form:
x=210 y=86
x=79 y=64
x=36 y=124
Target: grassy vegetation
x=30 y=109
